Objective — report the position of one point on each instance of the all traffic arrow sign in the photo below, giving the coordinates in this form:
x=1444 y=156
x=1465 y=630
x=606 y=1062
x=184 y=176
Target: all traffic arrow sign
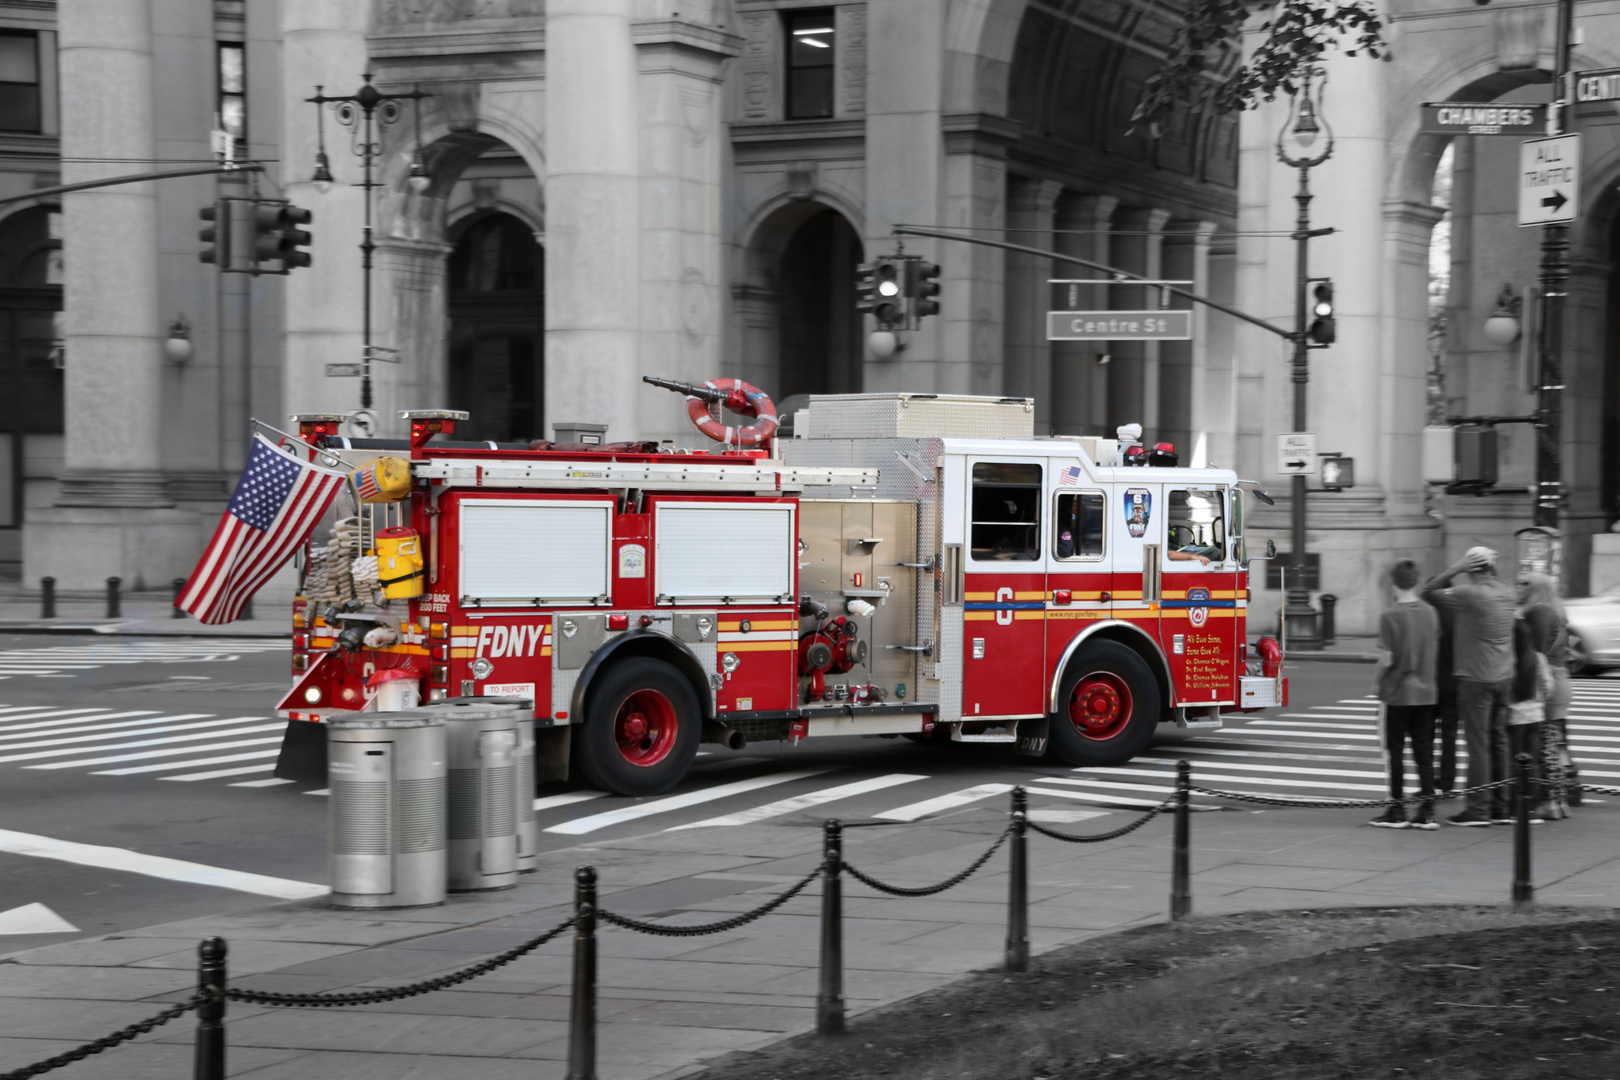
x=1550 y=180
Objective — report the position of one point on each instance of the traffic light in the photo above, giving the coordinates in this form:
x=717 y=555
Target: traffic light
x=922 y=285
x=216 y=239
x=888 y=291
x=1324 y=328
x=866 y=288
x=277 y=237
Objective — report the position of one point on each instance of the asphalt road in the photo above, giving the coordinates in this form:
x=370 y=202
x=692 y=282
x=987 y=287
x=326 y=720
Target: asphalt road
x=92 y=768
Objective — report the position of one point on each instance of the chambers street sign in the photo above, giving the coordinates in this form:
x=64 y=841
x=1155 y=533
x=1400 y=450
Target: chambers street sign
x=1164 y=325
x=1483 y=118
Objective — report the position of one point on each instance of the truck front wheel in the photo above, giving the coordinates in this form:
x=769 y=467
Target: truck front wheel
x=1108 y=706
x=641 y=728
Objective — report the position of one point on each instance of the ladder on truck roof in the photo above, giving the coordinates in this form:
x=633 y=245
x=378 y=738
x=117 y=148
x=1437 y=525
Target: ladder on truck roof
x=683 y=473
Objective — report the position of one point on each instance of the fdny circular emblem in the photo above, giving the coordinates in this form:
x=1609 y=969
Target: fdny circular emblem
x=1197 y=615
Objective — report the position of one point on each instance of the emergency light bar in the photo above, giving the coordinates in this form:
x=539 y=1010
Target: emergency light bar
x=688 y=473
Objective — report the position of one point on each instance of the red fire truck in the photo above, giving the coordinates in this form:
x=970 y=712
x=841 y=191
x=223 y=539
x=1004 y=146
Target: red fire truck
x=900 y=564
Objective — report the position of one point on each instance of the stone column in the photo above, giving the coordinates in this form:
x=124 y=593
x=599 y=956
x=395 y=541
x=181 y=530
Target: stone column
x=1027 y=365
x=1188 y=397
x=905 y=170
x=1133 y=376
x=1217 y=403
x=1079 y=386
x=593 y=216
x=681 y=166
x=112 y=516
x=324 y=44
x=971 y=276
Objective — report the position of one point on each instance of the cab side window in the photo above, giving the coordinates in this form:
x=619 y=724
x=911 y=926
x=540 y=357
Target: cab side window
x=1079 y=525
x=1006 y=512
x=1196 y=525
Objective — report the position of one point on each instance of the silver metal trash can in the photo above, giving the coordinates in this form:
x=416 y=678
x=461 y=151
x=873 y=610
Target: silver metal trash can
x=528 y=832
x=386 y=837
x=481 y=745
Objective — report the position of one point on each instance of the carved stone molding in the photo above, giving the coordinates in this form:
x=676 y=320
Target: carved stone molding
x=1518 y=33
x=758 y=65
x=851 y=38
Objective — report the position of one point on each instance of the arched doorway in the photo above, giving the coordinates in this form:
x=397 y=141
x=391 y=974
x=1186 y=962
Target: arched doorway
x=497 y=328
x=819 y=337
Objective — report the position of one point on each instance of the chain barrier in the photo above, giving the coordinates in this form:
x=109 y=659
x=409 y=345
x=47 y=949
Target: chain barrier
x=657 y=929
x=107 y=1042
x=371 y=997
x=1338 y=804
x=1594 y=789
x=1100 y=837
x=900 y=890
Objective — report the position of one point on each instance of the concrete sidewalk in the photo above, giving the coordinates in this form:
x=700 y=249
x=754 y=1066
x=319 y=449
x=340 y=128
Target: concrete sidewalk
x=666 y=1004
x=143 y=614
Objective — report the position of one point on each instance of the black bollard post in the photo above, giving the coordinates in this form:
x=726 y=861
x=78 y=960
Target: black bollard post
x=210 y=1058
x=47 y=598
x=179 y=587
x=1524 y=894
x=582 y=1020
x=1180 y=872
x=112 y=598
x=830 y=1001
x=1018 y=887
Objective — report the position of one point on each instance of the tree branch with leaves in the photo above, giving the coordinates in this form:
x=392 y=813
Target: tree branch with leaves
x=1204 y=69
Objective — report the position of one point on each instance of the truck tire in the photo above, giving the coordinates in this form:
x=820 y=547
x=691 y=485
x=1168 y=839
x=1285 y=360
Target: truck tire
x=1108 y=706
x=641 y=728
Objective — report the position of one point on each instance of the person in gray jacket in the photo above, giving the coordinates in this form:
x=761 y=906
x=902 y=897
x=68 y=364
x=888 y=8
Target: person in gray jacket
x=1484 y=611
x=1408 y=638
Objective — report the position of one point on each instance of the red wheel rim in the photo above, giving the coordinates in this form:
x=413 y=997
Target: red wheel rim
x=1100 y=706
x=645 y=728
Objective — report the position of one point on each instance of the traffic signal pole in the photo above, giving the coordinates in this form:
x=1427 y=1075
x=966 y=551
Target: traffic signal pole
x=132 y=178
x=1549 y=496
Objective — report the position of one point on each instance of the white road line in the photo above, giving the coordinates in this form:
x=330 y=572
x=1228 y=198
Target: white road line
x=802 y=802
x=1297 y=732
x=64 y=727
x=1371 y=774
x=1104 y=784
x=1293 y=723
x=1203 y=742
x=1352 y=701
x=158 y=866
x=566 y=799
x=1210 y=778
x=272 y=782
x=45 y=713
x=1111 y=800
x=156 y=753
x=913 y=811
x=167 y=740
x=678 y=802
x=60 y=739
x=321 y=791
x=1193 y=755
x=212 y=774
x=1325 y=716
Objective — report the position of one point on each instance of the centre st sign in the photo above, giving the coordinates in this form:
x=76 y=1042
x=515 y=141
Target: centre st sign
x=1165 y=325
x=1600 y=85
x=1483 y=118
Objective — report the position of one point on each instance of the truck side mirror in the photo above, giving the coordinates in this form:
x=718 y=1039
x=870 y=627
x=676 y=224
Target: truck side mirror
x=1271 y=549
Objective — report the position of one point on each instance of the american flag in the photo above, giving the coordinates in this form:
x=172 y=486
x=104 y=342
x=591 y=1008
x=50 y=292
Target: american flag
x=277 y=502
x=366 y=483
x=1069 y=477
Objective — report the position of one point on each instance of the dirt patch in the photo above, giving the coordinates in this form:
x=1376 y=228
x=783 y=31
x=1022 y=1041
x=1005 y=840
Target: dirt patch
x=1441 y=993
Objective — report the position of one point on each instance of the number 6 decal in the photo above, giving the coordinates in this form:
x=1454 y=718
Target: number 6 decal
x=1004 y=616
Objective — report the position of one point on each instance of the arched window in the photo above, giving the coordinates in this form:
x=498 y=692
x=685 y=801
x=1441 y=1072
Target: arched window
x=497 y=329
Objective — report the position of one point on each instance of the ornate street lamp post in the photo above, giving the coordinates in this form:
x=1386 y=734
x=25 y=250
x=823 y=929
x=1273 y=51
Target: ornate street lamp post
x=1304 y=142
x=364 y=113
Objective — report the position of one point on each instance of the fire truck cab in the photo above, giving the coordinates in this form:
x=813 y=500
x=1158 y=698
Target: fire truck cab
x=903 y=564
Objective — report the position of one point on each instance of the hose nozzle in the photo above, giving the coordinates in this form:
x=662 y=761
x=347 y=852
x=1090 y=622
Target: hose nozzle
x=706 y=393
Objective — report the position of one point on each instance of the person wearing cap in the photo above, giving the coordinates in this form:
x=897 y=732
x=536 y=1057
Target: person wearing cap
x=1483 y=611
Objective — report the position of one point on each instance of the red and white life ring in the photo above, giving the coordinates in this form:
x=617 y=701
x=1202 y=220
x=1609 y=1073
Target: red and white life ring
x=742 y=398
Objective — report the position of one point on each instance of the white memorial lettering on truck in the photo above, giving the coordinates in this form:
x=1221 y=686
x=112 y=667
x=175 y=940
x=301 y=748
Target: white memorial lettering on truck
x=897 y=564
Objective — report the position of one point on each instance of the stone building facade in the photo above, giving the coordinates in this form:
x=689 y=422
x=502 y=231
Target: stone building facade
x=619 y=188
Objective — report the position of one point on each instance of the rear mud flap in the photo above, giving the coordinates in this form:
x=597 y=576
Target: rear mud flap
x=551 y=750
x=303 y=753
x=1032 y=736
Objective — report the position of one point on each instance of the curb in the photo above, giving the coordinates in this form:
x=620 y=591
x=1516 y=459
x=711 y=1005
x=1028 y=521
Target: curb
x=116 y=630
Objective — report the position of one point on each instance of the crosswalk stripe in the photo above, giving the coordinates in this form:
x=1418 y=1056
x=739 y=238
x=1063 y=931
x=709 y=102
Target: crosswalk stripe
x=164 y=766
x=213 y=774
x=157 y=753
x=274 y=781
x=38 y=715
x=1112 y=800
x=1298 y=733
x=941 y=803
x=112 y=858
x=37 y=755
x=802 y=802
x=65 y=739
x=678 y=802
x=566 y=799
x=1322 y=716
x=1211 y=778
x=1293 y=723
x=1372 y=774
x=88 y=723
